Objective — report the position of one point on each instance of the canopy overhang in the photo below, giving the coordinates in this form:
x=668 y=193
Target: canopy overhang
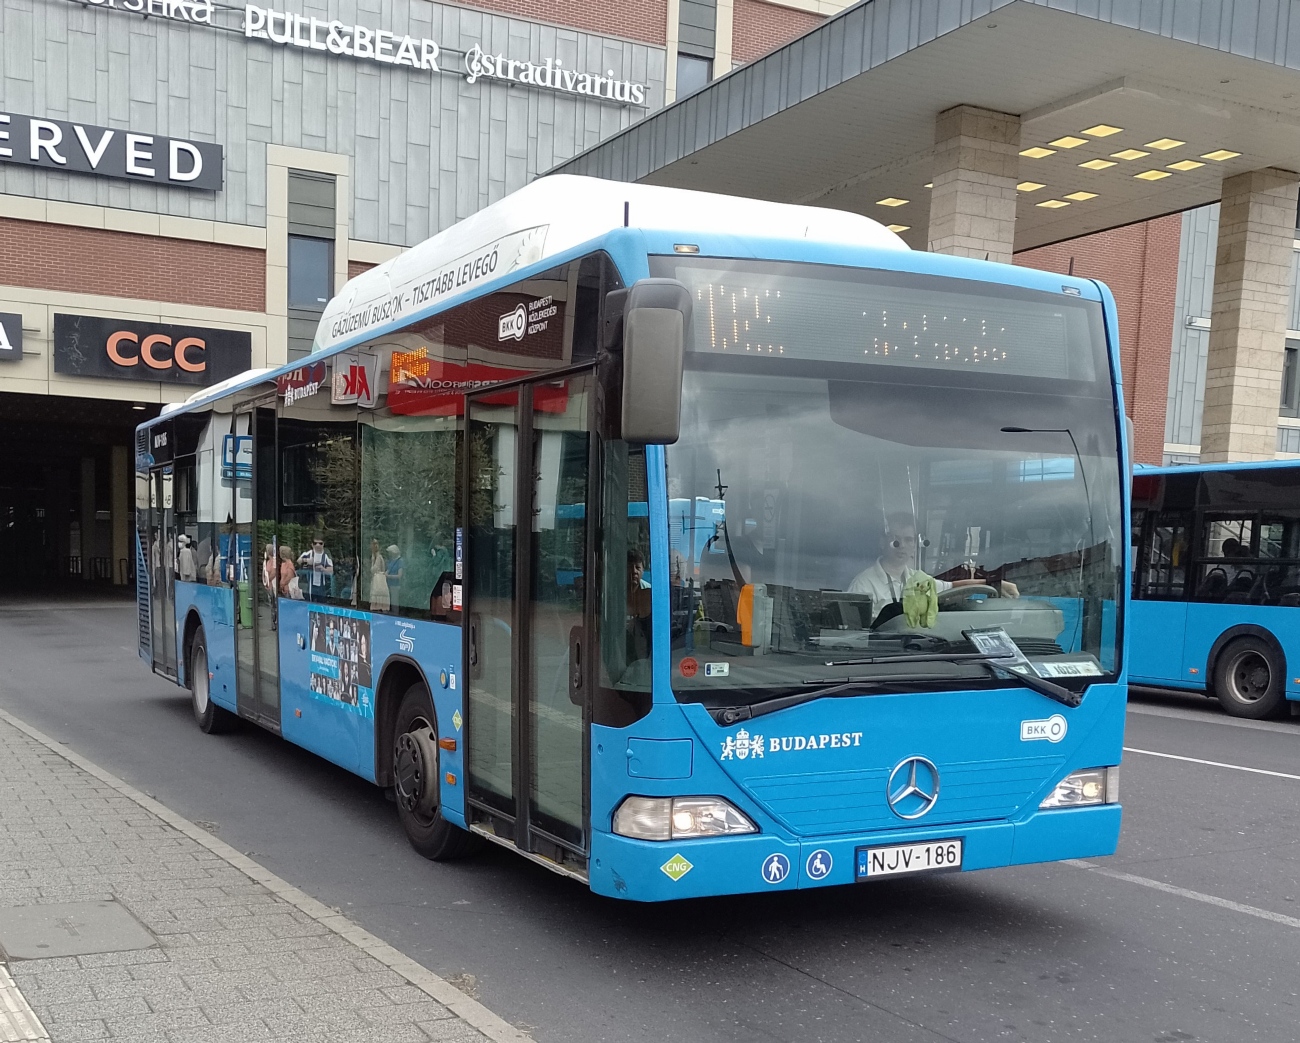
x=844 y=116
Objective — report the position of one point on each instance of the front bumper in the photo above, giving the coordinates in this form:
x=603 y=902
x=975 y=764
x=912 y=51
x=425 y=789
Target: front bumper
x=624 y=868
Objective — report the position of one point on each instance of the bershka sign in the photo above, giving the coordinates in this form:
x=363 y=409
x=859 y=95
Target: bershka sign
x=331 y=36
x=92 y=346
x=85 y=149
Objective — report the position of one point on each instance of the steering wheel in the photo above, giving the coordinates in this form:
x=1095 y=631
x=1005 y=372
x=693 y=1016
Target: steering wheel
x=950 y=598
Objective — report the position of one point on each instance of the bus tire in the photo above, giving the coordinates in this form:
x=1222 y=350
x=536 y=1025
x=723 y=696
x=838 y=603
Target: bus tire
x=210 y=717
x=417 y=780
x=1250 y=678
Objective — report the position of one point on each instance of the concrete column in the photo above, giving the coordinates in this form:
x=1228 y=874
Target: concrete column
x=120 y=508
x=976 y=168
x=1252 y=294
x=87 y=515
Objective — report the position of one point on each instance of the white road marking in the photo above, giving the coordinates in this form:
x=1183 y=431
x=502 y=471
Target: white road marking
x=1183 y=892
x=1210 y=717
x=18 y=1022
x=1213 y=764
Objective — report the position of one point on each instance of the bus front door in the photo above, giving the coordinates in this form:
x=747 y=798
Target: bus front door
x=162 y=571
x=526 y=500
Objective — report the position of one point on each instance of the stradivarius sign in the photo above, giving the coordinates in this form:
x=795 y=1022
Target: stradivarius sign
x=385 y=47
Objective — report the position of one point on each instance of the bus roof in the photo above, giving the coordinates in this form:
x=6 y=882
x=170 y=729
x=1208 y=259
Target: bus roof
x=1245 y=465
x=556 y=214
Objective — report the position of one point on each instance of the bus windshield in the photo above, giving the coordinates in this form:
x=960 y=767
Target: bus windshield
x=872 y=465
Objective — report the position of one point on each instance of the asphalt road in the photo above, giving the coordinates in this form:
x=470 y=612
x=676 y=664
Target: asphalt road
x=1191 y=932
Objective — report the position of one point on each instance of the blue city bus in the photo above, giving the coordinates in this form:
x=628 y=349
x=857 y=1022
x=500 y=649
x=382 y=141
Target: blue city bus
x=1216 y=583
x=684 y=544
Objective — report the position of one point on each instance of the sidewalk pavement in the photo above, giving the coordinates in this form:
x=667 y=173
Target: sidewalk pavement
x=175 y=937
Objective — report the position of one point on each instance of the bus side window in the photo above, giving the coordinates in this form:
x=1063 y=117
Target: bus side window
x=626 y=631
x=1164 y=561
x=1227 y=571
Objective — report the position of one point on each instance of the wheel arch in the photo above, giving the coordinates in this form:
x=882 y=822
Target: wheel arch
x=397 y=674
x=1232 y=634
x=193 y=621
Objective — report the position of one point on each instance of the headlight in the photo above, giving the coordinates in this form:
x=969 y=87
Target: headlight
x=1080 y=788
x=679 y=818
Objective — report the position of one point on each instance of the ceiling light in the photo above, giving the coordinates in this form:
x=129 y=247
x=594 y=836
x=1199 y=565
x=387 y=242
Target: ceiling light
x=1029 y=186
x=1129 y=153
x=1098 y=164
x=1165 y=144
x=1101 y=130
x=1079 y=197
x=891 y=201
x=1053 y=204
x=1068 y=142
x=1185 y=164
x=899 y=228
x=928 y=184
x=138 y=405
x=1152 y=175
x=1038 y=152
x=1219 y=155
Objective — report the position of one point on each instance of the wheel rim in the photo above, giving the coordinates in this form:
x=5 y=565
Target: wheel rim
x=200 y=671
x=1249 y=677
x=415 y=771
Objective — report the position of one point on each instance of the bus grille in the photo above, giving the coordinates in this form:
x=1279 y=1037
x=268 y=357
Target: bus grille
x=854 y=801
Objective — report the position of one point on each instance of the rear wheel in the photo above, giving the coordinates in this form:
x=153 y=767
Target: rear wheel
x=417 y=781
x=207 y=714
x=1250 y=679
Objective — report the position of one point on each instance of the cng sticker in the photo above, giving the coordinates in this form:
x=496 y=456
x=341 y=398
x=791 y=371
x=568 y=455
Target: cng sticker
x=456 y=720
x=677 y=867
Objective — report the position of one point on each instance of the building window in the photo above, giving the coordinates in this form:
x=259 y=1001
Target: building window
x=1291 y=380
x=311 y=255
x=311 y=272
x=693 y=73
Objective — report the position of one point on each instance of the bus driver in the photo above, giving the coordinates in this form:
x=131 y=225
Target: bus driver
x=885 y=579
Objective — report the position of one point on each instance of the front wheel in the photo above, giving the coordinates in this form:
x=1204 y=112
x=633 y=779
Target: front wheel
x=417 y=782
x=1250 y=679
x=210 y=717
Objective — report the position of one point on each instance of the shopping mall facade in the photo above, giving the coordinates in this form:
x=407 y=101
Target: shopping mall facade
x=184 y=183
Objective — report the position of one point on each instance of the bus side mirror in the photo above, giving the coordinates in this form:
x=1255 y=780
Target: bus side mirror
x=656 y=327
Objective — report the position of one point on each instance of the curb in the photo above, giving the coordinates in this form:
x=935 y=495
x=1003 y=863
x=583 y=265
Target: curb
x=471 y=1011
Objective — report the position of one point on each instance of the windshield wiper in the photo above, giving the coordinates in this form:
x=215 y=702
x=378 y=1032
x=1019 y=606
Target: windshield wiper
x=999 y=665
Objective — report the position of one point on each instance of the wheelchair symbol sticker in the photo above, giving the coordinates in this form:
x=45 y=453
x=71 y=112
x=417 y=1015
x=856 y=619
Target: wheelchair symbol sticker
x=819 y=864
x=775 y=868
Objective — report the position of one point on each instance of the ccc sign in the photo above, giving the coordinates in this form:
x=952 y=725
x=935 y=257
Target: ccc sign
x=121 y=349
x=157 y=351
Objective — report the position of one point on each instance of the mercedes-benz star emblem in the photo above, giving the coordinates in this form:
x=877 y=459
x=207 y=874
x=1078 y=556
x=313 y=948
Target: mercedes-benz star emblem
x=913 y=787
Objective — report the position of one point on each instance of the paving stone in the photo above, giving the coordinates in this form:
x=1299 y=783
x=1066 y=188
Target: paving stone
x=230 y=961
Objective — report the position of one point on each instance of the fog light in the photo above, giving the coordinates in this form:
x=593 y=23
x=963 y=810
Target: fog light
x=679 y=818
x=1081 y=788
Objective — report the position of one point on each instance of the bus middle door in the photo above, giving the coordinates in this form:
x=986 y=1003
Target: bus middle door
x=527 y=489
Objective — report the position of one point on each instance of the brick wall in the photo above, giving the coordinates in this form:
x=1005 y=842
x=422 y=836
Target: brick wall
x=758 y=28
x=355 y=268
x=1140 y=265
x=646 y=21
x=122 y=264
